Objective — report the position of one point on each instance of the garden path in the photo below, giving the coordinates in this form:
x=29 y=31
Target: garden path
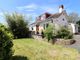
x=76 y=45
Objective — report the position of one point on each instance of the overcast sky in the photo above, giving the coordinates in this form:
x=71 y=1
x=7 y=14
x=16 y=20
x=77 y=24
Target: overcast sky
x=36 y=7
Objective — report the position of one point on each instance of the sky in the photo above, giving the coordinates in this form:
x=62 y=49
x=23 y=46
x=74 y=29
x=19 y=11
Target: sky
x=36 y=7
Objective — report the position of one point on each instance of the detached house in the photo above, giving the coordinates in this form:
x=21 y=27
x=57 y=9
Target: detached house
x=42 y=21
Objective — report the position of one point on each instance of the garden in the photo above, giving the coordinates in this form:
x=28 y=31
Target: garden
x=16 y=43
x=63 y=35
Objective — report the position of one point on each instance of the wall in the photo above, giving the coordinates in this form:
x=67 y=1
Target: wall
x=60 y=20
x=73 y=27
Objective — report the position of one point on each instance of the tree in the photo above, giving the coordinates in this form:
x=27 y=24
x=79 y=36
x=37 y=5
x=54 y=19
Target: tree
x=73 y=17
x=78 y=22
x=18 y=25
x=5 y=43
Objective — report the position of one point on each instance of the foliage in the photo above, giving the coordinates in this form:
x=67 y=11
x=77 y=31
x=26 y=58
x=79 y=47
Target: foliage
x=78 y=22
x=49 y=32
x=73 y=17
x=17 y=24
x=52 y=32
x=5 y=43
x=64 y=33
x=40 y=50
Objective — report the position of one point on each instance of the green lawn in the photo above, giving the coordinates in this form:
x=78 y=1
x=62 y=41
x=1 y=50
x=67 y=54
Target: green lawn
x=30 y=49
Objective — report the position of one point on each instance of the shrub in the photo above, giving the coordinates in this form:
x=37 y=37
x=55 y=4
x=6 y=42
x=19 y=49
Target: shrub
x=5 y=43
x=18 y=25
x=49 y=32
x=64 y=33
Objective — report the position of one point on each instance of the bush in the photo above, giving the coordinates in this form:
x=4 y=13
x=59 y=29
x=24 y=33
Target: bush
x=5 y=43
x=64 y=33
x=18 y=25
x=49 y=32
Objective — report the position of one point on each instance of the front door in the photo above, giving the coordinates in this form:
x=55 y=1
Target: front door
x=37 y=29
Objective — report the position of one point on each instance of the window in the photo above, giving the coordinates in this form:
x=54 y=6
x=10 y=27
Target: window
x=44 y=26
x=51 y=21
x=65 y=26
x=32 y=28
x=47 y=25
x=63 y=19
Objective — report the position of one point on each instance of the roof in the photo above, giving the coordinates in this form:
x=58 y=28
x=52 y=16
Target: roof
x=56 y=15
x=46 y=16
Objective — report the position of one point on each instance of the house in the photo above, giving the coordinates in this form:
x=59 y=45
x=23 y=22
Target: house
x=58 y=19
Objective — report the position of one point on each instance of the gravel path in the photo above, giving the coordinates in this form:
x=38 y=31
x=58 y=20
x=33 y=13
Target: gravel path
x=77 y=44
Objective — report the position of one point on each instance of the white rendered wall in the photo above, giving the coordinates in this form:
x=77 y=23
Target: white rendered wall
x=74 y=28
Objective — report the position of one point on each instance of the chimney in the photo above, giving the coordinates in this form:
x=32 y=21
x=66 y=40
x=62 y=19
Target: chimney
x=61 y=8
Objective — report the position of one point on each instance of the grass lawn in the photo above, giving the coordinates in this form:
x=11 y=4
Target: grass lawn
x=30 y=49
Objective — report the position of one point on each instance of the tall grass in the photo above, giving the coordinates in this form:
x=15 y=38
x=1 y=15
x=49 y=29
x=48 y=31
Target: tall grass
x=39 y=50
